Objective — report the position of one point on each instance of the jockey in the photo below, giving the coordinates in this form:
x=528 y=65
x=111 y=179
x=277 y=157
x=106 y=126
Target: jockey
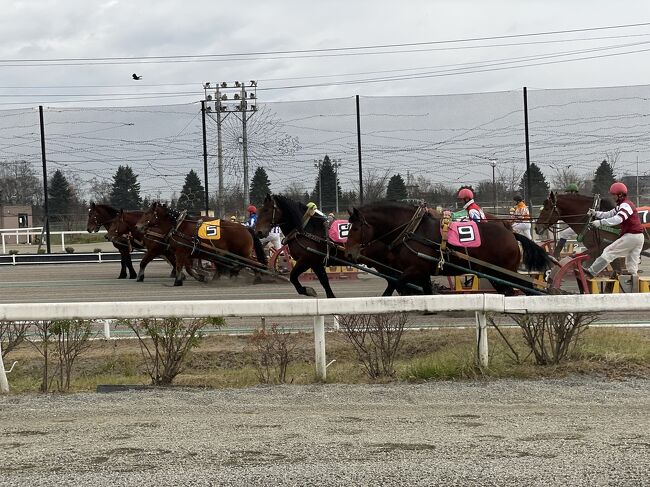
x=474 y=211
x=629 y=244
x=274 y=238
x=521 y=217
x=568 y=233
x=252 y=216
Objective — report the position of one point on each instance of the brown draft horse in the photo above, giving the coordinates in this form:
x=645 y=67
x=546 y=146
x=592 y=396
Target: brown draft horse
x=232 y=250
x=281 y=211
x=123 y=228
x=100 y=215
x=572 y=209
x=384 y=222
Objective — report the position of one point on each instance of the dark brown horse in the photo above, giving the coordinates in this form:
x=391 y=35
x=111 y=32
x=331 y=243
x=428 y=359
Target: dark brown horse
x=232 y=250
x=288 y=215
x=101 y=216
x=386 y=222
x=123 y=228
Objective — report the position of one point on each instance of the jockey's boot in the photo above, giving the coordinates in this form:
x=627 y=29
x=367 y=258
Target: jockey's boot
x=596 y=267
x=558 y=248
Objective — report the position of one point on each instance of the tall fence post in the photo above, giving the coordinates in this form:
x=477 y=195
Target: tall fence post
x=45 y=198
x=4 y=383
x=359 y=152
x=481 y=338
x=319 y=346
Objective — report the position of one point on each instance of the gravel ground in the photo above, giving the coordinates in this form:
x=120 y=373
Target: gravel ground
x=563 y=432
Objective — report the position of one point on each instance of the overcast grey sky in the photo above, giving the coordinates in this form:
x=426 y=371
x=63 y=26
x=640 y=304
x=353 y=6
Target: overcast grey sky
x=86 y=29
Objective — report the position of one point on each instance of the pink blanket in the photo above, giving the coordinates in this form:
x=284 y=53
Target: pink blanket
x=464 y=234
x=338 y=231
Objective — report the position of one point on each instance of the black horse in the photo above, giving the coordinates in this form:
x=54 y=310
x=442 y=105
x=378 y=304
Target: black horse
x=302 y=233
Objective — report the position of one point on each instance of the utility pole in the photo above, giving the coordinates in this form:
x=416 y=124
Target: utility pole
x=240 y=101
x=336 y=163
x=637 y=180
x=359 y=152
x=317 y=164
x=205 y=160
x=529 y=190
x=493 y=163
x=44 y=159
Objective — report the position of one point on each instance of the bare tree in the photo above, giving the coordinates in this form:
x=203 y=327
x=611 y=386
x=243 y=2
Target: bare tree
x=12 y=334
x=564 y=176
x=295 y=191
x=374 y=185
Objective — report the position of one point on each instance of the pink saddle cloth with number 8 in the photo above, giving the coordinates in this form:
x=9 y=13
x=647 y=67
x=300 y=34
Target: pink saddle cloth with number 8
x=464 y=234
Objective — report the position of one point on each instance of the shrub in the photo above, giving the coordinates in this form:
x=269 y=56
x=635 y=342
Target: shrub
x=69 y=250
x=13 y=252
x=271 y=352
x=376 y=340
x=97 y=251
x=166 y=343
x=40 y=251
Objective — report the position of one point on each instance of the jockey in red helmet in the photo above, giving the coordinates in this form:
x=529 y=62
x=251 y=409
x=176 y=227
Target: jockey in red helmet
x=474 y=211
x=252 y=216
x=630 y=242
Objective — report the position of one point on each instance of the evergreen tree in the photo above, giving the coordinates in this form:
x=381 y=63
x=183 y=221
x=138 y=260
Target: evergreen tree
x=396 y=189
x=539 y=186
x=125 y=192
x=327 y=182
x=60 y=197
x=260 y=186
x=192 y=196
x=603 y=178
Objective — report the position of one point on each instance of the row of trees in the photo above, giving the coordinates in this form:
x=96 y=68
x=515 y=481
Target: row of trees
x=19 y=185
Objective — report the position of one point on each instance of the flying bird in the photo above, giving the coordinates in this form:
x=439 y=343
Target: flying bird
x=136 y=77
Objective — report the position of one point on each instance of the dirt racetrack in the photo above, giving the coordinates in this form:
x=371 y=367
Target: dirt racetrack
x=552 y=432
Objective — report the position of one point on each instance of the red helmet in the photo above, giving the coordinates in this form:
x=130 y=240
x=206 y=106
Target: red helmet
x=252 y=209
x=617 y=188
x=465 y=193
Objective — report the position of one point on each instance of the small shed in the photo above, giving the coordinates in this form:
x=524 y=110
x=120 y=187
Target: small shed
x=13 y=217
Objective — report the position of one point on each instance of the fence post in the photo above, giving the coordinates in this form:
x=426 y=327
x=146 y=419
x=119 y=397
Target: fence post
x=63 y=241
x=481 y=338
x=319 y=345
x=107 y=329
x=4 y=384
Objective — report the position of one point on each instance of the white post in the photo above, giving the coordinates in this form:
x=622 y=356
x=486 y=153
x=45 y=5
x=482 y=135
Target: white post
x=336 y=325
x=4 y=384
x=107 y=329
x=481 y=338
x=4 y=247
x=63 y=241
x=319 y=345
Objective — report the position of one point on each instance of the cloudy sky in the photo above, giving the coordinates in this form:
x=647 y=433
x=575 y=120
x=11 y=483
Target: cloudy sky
x=285 y=44
x=80 y=55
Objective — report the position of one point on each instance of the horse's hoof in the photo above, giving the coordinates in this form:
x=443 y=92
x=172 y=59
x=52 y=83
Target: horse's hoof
x=309 y=291
x=140 y=279
x=133 y=276
x=172 y=274
x=121 y=277
x=178 y=283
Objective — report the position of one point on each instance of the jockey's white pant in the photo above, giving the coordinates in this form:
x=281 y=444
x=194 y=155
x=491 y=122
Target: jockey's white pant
x=274 y=238
x=567 y=234
x=522 y=228
x=628 y=246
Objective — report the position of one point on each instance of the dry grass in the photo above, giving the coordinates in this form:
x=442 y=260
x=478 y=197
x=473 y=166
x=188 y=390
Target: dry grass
x=224 y=361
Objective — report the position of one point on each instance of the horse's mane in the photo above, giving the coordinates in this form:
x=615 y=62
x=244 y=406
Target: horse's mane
x=292 y=210
x=605 y=203
x=384 y=206
x=107 y=208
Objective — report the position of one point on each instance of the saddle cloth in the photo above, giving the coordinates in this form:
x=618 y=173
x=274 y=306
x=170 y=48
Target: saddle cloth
x=210 y=230
x=338 y=231
x=464 y=234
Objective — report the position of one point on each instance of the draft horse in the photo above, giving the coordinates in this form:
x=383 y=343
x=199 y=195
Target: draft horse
x=572 y=210
x=233 y=249
x=123 y=228
x=289 y=215
x=395 y=225
x=100 y=215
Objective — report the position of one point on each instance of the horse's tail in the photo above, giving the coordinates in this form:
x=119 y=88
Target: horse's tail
x=259 y=248
x=535 y=257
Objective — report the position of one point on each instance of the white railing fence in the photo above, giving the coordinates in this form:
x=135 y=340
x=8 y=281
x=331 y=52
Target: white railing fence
x=481 y=304
x=33 y=232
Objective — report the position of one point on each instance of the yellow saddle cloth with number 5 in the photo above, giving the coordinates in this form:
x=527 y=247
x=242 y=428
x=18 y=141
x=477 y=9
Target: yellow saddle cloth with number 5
x=210 y=230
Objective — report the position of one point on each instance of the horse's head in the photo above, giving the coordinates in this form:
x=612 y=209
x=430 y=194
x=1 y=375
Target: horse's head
x=118 y=227
x=549 y=215
x=269 y=216
x=94 y=222
x=151 y=217
x=360 y=234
